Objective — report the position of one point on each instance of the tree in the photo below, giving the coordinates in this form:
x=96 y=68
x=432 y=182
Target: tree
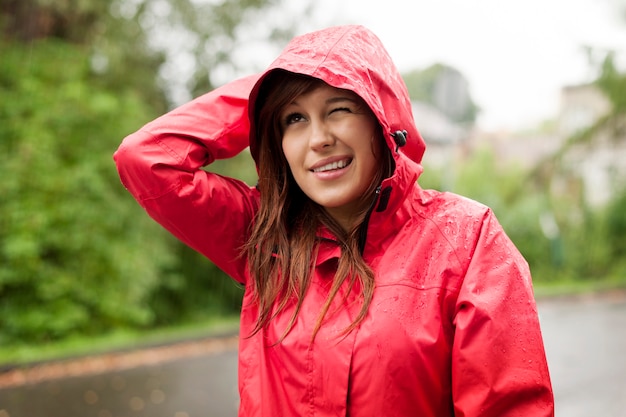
x=446 y=89
x=77 y=254
x=71 y=256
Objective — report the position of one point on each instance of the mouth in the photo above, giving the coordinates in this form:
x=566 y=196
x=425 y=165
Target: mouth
x=333 y=166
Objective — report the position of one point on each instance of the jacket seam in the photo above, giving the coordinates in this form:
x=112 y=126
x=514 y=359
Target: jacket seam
x=330 y=50
x=417 y=287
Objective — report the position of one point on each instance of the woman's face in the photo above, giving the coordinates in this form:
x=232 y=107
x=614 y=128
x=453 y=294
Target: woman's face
x=331 y=145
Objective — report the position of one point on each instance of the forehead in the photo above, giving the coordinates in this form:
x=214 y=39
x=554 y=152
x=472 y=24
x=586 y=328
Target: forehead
x=323 y=93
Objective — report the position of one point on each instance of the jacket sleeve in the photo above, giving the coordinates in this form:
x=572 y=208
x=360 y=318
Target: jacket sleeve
x=499 y=366
x=160 y=165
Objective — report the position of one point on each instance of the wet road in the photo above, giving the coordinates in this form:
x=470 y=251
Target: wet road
x=586 y=348
x=201 y=386
x=585 y=343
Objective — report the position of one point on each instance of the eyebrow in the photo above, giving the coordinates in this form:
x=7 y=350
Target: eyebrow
x=331 y=100
x=338 y=99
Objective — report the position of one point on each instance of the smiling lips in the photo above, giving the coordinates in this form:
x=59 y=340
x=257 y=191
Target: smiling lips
x=331 y=166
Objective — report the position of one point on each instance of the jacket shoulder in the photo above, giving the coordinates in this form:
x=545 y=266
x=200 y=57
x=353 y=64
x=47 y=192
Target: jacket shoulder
x=445 y=206
x=455 y=224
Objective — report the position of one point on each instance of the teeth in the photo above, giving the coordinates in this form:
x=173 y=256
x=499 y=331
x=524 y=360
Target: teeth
x=331 y=166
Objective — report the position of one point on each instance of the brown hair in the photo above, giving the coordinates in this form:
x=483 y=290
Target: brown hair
x=283 y=243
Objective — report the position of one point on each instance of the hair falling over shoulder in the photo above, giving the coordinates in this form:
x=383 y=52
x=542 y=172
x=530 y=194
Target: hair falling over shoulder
x=282 y=247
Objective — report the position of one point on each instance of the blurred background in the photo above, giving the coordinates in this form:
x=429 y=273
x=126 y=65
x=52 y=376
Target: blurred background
x=522 y=105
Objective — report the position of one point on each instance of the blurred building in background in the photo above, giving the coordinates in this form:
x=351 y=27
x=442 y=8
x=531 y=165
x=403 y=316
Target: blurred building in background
x=443 y=136
x=596 y=147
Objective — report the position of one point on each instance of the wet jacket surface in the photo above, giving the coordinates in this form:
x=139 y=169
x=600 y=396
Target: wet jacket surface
x=452 y=329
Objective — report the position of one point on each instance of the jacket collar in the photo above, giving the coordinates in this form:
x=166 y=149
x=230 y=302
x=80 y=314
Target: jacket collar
x=387 y=215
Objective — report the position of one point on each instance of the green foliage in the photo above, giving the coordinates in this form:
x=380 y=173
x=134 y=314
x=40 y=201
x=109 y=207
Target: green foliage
x=616 y=228
x=421 y=83
x=482 y=179
x=587 y=248
x=74 y=21
x=197 y=289
x=74 y=256
x=241 y=167
x=613 y=83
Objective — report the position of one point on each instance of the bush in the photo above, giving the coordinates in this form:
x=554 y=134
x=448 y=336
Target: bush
x=75 y=254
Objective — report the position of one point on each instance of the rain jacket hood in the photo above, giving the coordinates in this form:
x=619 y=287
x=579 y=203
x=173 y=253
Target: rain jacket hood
x=353 y=58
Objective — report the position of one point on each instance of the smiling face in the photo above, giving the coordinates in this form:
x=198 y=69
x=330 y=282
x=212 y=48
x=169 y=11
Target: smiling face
x=331 y=145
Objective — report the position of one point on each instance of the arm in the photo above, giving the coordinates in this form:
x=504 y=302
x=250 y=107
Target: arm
x=161 y=164
x=499 y=366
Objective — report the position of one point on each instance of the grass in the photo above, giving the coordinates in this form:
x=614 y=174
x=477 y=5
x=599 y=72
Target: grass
x=119 y=340
x=566 y=288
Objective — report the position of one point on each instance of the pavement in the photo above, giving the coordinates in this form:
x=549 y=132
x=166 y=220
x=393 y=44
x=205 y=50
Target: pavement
x=585 y=340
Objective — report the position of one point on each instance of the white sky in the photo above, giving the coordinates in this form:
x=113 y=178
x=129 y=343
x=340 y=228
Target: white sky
x=516 y=54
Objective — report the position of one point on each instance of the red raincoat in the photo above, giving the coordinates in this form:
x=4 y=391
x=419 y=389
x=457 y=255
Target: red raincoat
x=452 y=329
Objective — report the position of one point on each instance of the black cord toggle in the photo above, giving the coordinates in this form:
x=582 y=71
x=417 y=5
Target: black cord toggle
x=399 y=137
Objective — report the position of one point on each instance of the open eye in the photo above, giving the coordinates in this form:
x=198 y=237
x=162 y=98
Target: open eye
x=292 y=118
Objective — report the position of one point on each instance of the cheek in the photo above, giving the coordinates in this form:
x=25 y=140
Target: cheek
x=373 y=156
x=372 y=168
x=290 y=151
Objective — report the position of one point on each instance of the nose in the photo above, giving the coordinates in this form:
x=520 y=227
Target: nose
x=320 y=136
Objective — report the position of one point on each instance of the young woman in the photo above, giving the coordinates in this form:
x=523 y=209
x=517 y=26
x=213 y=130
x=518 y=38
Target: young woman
x=365 y=295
